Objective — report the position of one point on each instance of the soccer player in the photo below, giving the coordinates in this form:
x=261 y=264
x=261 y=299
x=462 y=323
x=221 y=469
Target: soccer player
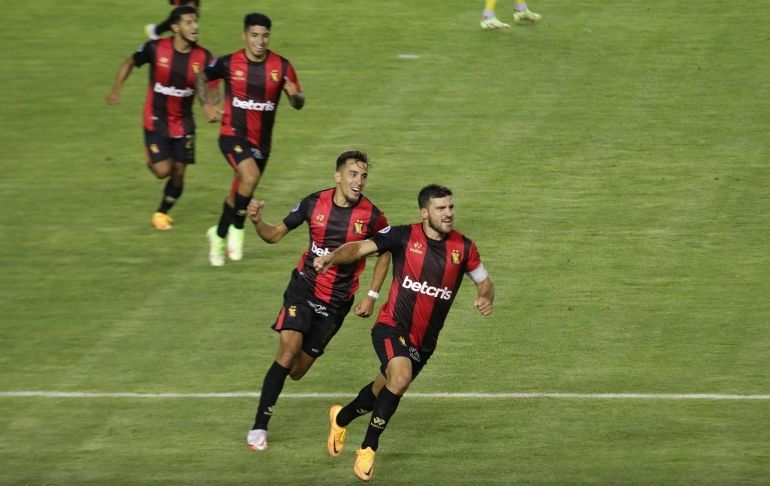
x=155 y=31
x=429 y=261
x=254 y=78
x=169 y=126
x=314 y=305
x=521 y=14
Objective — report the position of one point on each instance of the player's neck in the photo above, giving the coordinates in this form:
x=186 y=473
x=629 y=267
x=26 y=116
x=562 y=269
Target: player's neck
x=251 y=57
x=182 y=45
x=431 y=233
x=340 y=199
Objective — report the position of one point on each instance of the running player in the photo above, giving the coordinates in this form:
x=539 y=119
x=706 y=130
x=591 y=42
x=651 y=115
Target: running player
x=315 y=305
x=254 y=78
x=154 y=31
x=521 y=14
x=429 y=261
x=169 y=126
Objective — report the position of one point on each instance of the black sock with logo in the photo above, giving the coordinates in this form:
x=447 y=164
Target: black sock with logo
x=271 y=388
x=239 y=215
x=170 y=194
x=361 y=405
x=225 y=219
x=384 y=408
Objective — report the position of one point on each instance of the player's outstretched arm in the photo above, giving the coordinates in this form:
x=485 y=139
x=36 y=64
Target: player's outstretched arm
x=485 y=296
x=347 y=253
x=270 y=233
x=113 y=97
x=366 y=306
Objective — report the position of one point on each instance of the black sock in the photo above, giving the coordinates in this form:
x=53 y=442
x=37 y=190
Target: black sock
x=225 y=219
x=361 y=405
x=271 y=388
x=162 y=27
x=384 y=408
x=239 y=215
x=170 y=195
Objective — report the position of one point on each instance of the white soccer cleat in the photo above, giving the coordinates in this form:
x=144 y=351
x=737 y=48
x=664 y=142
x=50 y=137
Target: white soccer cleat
x=216 y=247
x=526 y=15
x=149 y=30
x=257 y=440
x=493 y=24
x=235 y=243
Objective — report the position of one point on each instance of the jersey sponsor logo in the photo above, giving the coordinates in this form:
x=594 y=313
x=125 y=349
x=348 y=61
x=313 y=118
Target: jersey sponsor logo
x=253 y=105
x=456 y=256
x=358 y=226
x=416 y=248
x=274 y=75
x=426 y=289
x=173 y=91
x=317 y=250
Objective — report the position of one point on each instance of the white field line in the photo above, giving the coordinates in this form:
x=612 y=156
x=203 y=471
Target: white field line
x=471 y=395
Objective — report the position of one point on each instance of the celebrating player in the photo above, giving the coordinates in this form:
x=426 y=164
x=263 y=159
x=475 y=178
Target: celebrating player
x=429 y=261
x=254 y=78
x=314 y=305
x=169 y=126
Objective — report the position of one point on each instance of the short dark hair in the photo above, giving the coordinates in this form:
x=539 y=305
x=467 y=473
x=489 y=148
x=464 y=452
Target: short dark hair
x=432 y=191
x=351 y=154
x=255 y=18
x=176 y=14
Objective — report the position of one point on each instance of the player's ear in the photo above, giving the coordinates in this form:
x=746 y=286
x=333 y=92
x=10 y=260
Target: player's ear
x=424 y=213
x=337 y=177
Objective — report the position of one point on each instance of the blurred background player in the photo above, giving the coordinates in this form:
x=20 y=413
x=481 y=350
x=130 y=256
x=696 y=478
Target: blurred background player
x=169 y=126
x=154 y=31
x=254 y=78
x=315 y=305
x=521 y=14
x=430 y=259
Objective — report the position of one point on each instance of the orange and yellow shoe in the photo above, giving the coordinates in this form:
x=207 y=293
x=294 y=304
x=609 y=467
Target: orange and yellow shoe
x=162 y=221
x=336 y=440
x=364 y=465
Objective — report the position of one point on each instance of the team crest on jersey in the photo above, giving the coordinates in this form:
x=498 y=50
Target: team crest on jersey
x=456 y=256
x=274 y=75
x=238 y=75
x=163 y=61
x=293 y=311
x=196 y=67
x=238 y=149
x=154 y=148
x=416 y=248
x=358 y=226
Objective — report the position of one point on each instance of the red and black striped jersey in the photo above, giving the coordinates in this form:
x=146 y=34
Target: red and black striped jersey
x=427 y=274
x=330 y=226
x=252 y=92
x=170 y=93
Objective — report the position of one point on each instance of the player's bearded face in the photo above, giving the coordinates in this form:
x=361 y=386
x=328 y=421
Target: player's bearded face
x=441 y=214
x=188 y=28
x=351 y=180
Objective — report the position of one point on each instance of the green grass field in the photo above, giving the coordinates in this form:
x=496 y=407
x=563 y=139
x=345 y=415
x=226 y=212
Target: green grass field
x=610 y=162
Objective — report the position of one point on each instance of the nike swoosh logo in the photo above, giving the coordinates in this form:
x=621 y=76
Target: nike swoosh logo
x=334 y=446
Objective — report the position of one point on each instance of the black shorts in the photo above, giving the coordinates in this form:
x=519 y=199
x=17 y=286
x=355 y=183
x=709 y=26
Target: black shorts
x=315 y=319
x=238 y=149
x=160 y=148
x=390 y=341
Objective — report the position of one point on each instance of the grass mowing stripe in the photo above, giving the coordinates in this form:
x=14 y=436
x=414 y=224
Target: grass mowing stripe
x=474 y=395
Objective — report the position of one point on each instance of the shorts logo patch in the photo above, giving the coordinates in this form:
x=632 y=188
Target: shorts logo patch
x=154 y=148
x=238 y=149
x=402 y=341
x=456 y=256
x=358 y=226
x=293 y=311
